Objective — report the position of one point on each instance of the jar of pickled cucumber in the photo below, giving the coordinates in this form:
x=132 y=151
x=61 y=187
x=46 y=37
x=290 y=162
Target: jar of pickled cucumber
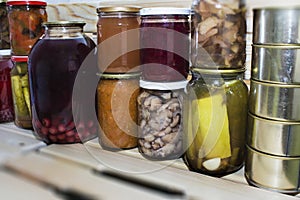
x=161 y=127
x=25 y=24
x=219 y=34
x=216 y=121
x=20 y=91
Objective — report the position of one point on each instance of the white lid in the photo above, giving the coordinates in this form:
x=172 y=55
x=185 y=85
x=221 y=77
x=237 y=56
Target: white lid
x=165 y=11
x=5 y=52
x=163 y=85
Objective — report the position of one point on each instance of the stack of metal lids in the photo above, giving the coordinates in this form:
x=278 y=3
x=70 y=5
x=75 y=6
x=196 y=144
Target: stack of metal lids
x=273 y=141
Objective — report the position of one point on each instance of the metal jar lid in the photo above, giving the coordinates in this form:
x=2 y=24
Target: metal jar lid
x=218 y=71
x=163 y=85
x=64 y=23
x=5 y=54
x=26 y=3
x=126 y=76
x=125 y=9
x=19 y=58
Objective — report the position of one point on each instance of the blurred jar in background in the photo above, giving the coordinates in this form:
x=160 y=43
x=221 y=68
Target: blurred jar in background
x=25 y=24
x=6 y=100
x=4 y=27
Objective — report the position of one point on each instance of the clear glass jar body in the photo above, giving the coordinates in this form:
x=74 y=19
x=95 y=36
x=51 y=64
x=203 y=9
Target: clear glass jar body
x=6 y=100
x=165 y=46
x=160 y=135
x=53 y=65
x=117 y=110
x=20 y=91
x=113 y=23
x=25 y=24
x=4 y=27
x=219 y=34
x=217 y=123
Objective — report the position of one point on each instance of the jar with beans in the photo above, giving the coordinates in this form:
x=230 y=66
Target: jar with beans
x=160 y=106
x=219 y=34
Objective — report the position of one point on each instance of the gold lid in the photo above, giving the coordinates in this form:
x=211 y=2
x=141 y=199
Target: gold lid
x=218 y=71
x=126 y=9
x=64 y=23
x=119 y=76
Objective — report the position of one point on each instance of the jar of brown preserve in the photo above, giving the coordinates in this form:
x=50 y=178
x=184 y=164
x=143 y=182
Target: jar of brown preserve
x=120 y=53
x=117 y=110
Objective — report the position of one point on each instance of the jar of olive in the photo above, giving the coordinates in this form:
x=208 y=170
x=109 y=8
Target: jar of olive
x=217 y=121
x=20 y=91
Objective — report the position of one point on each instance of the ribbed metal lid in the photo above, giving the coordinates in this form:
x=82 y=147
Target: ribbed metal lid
x=19 y=58
x=28 y=2
x=163 y=85
x=119 y=76
x=125 y=9
x=64 y=23
x=218 y=71
x=165 y=11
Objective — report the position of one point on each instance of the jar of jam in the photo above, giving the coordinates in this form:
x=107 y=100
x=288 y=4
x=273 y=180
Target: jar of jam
x=161 y=106
x=219 y=34
x=117 y=110
x=20 y=91
x=165 y=44
x=119 y=25
x=4 y=27
x=6 y=100
x=53 y=65
x=25 y=24
x=217 y=121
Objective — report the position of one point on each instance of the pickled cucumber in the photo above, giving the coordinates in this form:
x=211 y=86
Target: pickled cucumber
x=18 y=96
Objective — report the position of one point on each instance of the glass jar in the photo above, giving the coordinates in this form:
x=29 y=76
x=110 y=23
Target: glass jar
x=53 y=65
x=117 y=22
x=20 y=91
x=160 y=107
x=217 y=121
x=6 y=100
x=4 y=27
x=117 y=110
x=219 y=34
x=25 y=24
x=165 y=44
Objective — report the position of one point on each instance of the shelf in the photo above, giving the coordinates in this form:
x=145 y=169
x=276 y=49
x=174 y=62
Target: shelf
x=83 y=168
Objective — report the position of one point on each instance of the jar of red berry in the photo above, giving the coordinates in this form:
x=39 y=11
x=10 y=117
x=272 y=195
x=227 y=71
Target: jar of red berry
x=53 y=65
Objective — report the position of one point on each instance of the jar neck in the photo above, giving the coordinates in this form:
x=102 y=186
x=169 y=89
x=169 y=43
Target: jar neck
x=63 y=32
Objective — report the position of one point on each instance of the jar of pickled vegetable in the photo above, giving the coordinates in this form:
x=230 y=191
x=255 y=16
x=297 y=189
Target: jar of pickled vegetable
x=165 y=44
x=160 y=107
x=25 y=24
x=53 y=65
x=117 y=110
x=216 y=121
x=20 y=91
x=219 y=34
x=117 y=21
x=4 y=27
x=6 y=100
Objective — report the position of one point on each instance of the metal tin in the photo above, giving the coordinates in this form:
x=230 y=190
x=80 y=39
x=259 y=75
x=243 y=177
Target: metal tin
x=273 y=137
x=280 y=174
x=278 y=64
x=276 y=25
x=275 y=101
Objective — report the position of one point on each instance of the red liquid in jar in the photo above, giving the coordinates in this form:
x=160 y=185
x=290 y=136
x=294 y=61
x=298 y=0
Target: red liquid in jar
x=168 y=66
x=53 y=66
x=6 y=101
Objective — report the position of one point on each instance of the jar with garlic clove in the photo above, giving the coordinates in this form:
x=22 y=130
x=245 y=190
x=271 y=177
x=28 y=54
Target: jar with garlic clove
x=219 y=34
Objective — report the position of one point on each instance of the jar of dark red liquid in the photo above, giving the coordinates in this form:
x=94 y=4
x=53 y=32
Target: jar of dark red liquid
x=6 y=100
x=25 y=24
x=53 y=65
x=117 y=32
x=164 y=44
